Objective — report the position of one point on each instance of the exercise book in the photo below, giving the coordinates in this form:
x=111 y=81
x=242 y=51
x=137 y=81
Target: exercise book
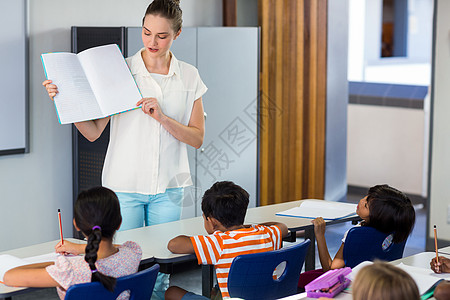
x=92 y=84
x=328 y=210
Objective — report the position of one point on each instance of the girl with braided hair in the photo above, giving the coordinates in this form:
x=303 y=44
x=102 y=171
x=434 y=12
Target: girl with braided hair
x=97 y=216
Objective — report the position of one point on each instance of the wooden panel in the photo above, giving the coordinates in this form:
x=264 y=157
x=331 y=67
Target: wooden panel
x=229 y=10
x=292 y=106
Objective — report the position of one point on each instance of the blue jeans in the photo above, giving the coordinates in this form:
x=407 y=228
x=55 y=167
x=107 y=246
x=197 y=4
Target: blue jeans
x=144 y=210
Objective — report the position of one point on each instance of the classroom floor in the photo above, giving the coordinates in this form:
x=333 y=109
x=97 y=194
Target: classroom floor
x=188 y=275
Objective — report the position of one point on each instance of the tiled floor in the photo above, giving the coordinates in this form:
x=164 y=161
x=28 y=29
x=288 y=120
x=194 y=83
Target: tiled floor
x=188 y=276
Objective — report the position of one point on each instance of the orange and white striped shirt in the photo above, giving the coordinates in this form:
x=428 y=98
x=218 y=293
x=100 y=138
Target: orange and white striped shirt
x=220 y=248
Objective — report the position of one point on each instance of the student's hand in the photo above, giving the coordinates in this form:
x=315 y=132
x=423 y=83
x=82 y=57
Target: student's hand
x=319 y=226
x=442 y=267
x=52 y=89
x=151 y=107
x=70 y=248
x=442 y=291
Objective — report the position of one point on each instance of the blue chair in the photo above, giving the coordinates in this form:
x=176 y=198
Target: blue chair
x=251 y=276
x=366 y=243
x=139 y=284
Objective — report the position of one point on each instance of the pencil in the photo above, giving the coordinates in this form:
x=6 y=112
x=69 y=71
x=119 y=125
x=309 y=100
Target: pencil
x=435 y=244
x=60 y=227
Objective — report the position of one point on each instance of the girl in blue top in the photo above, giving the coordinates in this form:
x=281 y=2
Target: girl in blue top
x=384 y=208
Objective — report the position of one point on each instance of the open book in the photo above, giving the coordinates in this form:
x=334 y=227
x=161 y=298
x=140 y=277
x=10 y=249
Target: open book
x=92 y=84
x=328 y=210
x=8 y=262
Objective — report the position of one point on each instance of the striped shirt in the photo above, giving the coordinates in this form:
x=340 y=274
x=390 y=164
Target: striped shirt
x=220 y=248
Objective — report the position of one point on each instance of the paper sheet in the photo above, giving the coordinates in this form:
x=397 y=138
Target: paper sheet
x=8 y=262
x=318 y=208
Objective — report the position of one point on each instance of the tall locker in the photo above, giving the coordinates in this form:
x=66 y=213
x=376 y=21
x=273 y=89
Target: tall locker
x=88 y=157
x=227 y=59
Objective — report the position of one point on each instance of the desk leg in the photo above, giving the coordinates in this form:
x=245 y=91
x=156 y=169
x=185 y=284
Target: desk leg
x=310 y=260
x=207 y=280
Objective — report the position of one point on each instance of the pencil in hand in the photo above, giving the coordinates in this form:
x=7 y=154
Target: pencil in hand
x=60 y=227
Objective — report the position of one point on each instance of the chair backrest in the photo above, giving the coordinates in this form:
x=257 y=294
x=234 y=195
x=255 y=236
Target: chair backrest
x=139 y=284
x=366 y=243
x=251 y=276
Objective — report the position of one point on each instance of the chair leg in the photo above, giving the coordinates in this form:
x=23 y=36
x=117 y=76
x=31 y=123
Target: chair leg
x=207 y=280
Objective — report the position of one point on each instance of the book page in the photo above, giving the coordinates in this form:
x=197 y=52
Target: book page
x=318 y=208
x=424 y=278
x=75 y=100
x=8 y=262
x=110 y=78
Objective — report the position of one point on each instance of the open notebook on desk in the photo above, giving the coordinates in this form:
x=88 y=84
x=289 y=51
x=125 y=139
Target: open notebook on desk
x=328 y=210
x=8 y=262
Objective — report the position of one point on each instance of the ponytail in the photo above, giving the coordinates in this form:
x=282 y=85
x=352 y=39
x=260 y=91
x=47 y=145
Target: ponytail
x=91 y=257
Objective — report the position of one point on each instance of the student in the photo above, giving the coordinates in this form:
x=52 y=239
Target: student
x=382 y=280
x=384 y=208
x=97 y=216
x=442 y=291
x=224 y=207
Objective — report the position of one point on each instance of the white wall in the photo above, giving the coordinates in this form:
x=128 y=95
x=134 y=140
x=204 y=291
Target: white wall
x=440 y=124
x=33 y=186
x=385 y=145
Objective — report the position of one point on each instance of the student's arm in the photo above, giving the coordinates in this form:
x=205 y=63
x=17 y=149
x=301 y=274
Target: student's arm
x=181 y=244
x=283 y=228
x=33 y=275
x=192 y=134
x=325 y=259
x=91 y=129
x=442 y=291
x=338 y=260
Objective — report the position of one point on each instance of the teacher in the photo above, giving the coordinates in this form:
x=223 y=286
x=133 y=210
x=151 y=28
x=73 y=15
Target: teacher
x=147 y=150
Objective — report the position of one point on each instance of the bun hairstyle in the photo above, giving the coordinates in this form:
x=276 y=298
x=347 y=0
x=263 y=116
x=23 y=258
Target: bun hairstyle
x=390 y=211
x=169 y=9
x=97 y=215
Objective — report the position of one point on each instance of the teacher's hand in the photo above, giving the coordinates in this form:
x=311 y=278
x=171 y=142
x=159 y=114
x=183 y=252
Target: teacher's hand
x=52 y=89
x=151 y=107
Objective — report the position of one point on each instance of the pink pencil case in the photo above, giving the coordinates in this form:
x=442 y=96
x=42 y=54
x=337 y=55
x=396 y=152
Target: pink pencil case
x=329 y=284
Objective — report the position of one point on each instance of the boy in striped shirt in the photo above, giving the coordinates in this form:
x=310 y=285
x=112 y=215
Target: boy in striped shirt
x=224 y=207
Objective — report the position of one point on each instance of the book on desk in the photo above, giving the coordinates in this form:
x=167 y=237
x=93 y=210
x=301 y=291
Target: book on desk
x=313 y=208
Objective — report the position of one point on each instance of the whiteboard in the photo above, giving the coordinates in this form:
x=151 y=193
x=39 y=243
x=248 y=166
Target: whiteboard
x=13 y=77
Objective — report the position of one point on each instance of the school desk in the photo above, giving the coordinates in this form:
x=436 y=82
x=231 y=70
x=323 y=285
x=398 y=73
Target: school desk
x=421 y=260
x=7 y=292
x=153 y=241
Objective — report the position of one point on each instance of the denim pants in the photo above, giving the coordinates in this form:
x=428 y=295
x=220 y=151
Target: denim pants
x=144 y=210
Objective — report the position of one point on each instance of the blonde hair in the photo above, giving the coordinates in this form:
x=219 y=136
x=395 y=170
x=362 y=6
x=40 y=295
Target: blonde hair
x=383 y=281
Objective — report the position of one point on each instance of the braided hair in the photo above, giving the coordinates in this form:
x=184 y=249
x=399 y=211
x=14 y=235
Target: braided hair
x=169 y=9
x=97 y=215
